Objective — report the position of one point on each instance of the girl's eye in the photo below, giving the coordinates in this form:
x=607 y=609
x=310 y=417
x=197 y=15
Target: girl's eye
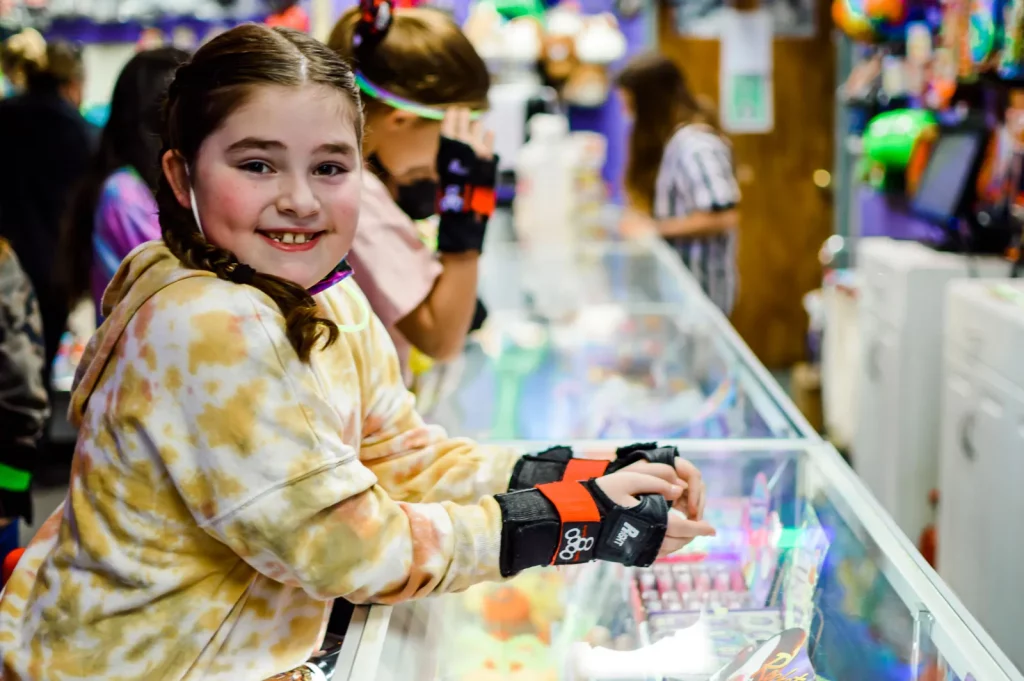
x=257 y=167
x=330 y=169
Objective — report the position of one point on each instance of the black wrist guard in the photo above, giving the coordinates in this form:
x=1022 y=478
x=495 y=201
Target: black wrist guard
x=460 y=232
x=465 y=196
x=553 y=465
x=565 y=523
x=645 y=451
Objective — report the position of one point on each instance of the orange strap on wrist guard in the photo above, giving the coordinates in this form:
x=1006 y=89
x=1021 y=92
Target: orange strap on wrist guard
x=580 y=519
x=483 y=201
x=584 y=469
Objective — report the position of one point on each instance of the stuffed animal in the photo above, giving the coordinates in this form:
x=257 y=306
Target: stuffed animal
x=564 y=24
x=598 y=45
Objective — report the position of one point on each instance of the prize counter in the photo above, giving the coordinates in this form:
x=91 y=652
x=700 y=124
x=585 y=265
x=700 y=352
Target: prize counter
x=606 y=344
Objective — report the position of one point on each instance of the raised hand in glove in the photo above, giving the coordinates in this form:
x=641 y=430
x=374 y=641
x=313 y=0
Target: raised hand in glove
x=466 y=169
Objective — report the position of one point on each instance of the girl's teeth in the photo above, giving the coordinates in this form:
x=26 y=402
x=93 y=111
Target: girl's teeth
x=291 y=237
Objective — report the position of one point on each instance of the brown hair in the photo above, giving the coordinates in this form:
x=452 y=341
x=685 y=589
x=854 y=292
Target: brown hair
x=203 y=94
x=425 y=57
x=662 y=103
x=61 y=66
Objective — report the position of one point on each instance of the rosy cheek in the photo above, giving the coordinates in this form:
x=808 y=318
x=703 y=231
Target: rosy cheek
x=234 y=208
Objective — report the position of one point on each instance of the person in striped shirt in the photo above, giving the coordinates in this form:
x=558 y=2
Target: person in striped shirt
x=680 y=173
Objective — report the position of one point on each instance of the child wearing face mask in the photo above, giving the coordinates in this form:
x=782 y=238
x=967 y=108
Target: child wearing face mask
x=247 y=451
x=423 y=88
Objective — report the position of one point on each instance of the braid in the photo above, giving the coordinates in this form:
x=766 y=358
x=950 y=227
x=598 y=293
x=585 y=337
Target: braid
x=304 y=327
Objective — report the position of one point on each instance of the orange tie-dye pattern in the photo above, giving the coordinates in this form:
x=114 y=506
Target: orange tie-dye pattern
x=223 y=492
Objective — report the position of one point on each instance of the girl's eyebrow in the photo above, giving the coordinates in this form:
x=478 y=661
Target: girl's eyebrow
x=342 y=148
x=250 y=143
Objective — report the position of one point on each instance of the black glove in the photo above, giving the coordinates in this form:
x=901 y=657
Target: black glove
x=558 y=463
x=570 y=522
x=465 y=196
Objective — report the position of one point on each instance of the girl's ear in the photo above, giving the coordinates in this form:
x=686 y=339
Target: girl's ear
x=176 y=173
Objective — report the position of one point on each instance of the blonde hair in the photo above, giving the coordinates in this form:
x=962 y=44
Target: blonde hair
x=20 y=51
x=425 y=57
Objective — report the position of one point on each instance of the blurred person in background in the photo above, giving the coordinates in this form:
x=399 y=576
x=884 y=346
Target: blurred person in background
x=47 y=146
x=680 y=179
x=114 y=209
x=423 y=85
x=20 y=49
x=24 y=406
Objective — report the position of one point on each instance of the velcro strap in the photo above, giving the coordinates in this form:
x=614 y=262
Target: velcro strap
x=580 y=519
x=584 y=469
x=483 y=201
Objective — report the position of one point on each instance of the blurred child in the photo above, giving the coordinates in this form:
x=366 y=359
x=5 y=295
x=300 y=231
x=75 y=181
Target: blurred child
x=681 y=173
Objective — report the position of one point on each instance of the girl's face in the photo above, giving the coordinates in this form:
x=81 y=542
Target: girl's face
x=278 y=183
x=405 y=144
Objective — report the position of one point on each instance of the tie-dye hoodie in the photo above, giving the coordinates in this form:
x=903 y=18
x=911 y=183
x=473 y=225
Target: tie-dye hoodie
x=223 y=492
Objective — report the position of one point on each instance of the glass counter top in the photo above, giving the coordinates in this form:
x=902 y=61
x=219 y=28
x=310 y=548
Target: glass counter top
x=608 y=340
x=806 y=579
x=606 y=371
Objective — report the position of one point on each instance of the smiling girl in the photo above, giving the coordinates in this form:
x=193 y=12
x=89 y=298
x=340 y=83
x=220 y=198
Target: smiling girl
x=247 y=453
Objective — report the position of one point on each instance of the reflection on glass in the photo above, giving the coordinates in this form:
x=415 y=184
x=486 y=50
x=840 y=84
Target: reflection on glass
x=604 y=372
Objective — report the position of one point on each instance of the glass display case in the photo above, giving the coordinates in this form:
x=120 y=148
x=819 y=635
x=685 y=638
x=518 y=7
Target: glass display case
x=806 y=579
x=606 y=340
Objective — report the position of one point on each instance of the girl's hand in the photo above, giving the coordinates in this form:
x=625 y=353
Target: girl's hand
x=686 y=476
x=624 y=487
x=635 y=225
x=459 y=126
x=693 y=498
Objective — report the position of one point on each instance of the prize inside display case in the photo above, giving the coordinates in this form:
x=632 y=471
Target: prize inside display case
x=598 y=342
x=807 y=578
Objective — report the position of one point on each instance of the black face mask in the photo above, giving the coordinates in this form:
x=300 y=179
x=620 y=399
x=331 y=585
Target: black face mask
x=417 y=199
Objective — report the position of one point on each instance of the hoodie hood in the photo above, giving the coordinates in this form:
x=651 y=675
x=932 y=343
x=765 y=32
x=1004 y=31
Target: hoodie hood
x=147 y=270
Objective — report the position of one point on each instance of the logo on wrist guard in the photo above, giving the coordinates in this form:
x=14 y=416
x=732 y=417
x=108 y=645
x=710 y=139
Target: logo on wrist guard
x=574 y=544
x=457 y=168
x=626 y=532
x=452 y=201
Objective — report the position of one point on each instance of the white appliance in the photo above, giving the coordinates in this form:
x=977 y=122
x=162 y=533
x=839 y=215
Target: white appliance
x=895 y=445
x=980 y=534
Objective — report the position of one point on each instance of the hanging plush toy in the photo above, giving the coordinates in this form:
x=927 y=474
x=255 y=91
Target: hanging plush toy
x=563 y=23
x=598 y=45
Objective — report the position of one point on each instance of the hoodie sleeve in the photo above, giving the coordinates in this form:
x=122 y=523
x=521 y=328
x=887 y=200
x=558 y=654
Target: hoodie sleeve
x=263 y=461
x=413 y=461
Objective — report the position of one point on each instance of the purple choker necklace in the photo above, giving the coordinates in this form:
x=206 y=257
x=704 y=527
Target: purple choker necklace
x=340 y=273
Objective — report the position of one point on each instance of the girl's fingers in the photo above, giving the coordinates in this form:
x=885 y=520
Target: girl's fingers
x=448 y=124
x=670 y=545
x=658 y=470
x=679 y=527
